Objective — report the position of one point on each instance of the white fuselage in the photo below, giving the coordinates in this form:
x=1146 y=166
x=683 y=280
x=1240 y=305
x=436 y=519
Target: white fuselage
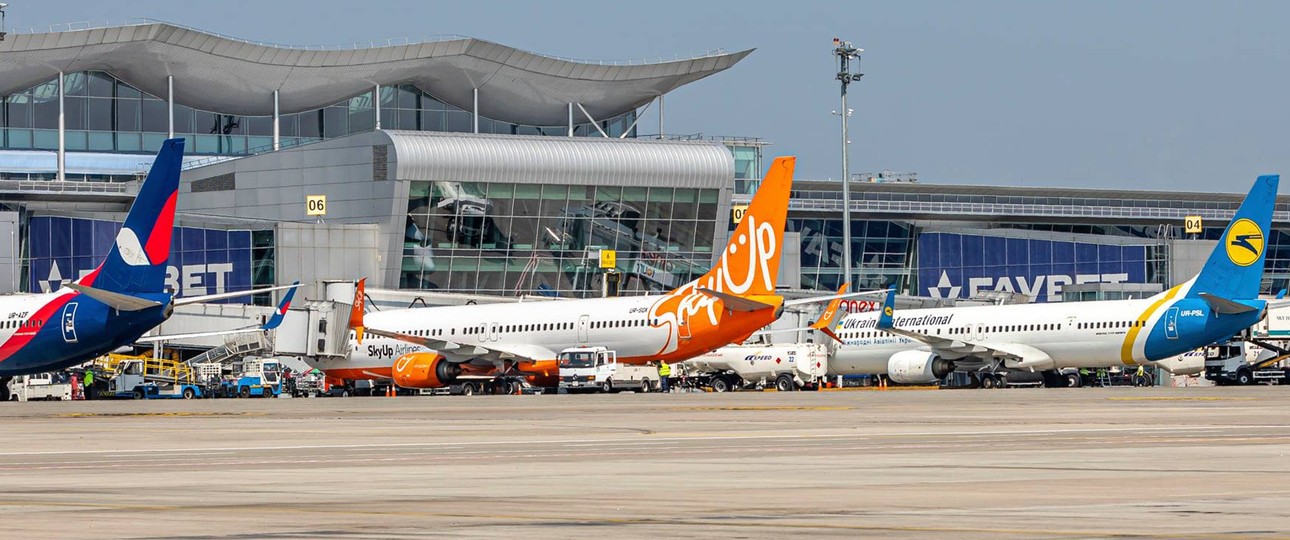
x=620 y=324
x=1073 y=334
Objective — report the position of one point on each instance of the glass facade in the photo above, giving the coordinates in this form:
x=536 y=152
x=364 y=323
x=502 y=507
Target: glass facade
x=105 y=114
x=514 y=239
x=881 y=249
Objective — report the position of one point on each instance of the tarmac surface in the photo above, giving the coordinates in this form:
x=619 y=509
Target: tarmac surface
x=1014 y=463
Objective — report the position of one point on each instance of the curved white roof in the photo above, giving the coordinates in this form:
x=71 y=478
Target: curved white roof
x=231 y=76
x=430 y=156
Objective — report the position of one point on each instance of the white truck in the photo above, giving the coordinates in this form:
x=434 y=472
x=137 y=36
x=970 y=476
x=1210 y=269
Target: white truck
x=1239 y=362
x=596 y=369
x=41 y=387
x=786 y=367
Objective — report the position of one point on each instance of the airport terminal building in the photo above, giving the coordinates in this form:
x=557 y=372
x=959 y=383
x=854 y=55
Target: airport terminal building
x=465 y=166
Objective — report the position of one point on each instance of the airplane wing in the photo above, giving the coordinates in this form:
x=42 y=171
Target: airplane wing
x=840 y=295
x=278 y=314
x=1024 y=355
x=463 y=351
x=227 y=295
x=453 y=350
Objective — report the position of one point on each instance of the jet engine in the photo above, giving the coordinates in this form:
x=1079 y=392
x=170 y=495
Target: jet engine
x=424 y=370
x=912 y=367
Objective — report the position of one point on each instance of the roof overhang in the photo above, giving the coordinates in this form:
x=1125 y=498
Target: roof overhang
x=231 y=76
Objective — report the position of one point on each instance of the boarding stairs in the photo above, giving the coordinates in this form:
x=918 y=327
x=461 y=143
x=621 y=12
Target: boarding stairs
x=235 y=346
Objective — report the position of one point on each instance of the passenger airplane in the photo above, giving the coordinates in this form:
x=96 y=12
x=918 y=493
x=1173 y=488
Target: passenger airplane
x=113 y=305
x=430 y=347
x=924 y=345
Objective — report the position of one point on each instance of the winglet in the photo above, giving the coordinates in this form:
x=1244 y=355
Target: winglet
x=1281 y=294
x=356 y=312
x=888 y=309
x=283 y=306
x=830 y=312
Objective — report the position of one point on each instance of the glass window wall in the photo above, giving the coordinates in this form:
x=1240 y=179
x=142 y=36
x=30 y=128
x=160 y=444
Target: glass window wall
x=518 y=239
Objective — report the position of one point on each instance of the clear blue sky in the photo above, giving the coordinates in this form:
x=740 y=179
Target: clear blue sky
x=1168 y=95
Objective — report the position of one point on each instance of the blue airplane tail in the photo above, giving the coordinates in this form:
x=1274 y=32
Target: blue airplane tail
x=137 y=262
x=281 y=311
x=1234 y=270
x=886 y=319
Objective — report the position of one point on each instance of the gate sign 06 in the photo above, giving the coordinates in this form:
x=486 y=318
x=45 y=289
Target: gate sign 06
x=952 y=265
x=202 y=261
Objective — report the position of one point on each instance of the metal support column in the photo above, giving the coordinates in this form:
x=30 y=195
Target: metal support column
x=475 y=111
x=845 y=52
x=170 y=106
x=660 y=116
x=62 y=133
x=376 y=98
x=277 y=127
x=570 y=119
x=593 y=121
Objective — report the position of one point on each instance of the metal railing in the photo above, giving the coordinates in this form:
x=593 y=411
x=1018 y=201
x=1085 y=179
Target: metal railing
x=1005 y=209
x=752 y=141
x=211 y=160
x=54 y=186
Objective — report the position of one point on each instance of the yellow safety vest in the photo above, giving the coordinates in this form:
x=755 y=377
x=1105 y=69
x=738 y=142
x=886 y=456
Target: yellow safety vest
x=664 y=370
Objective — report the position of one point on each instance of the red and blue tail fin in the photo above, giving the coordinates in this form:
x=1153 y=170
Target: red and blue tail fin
x=137 y=261
x=281 y=311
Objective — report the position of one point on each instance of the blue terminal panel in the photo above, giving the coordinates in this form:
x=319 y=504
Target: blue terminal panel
x=952 y=265
x=202 y=261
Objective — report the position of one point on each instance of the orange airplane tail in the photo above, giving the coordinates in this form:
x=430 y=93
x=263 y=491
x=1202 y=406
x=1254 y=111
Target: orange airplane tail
x=830 y=313
x=356 y=312
x=749 y=264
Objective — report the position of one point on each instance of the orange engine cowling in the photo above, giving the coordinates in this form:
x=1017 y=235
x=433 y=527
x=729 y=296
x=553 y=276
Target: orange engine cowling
x=424 y=370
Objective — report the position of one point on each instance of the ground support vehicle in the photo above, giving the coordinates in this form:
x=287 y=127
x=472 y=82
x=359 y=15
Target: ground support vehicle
x=259 y=377
x=596 y=369
x=1252 y=362
x=784 y=367
x=154 y=378
x=41 y=387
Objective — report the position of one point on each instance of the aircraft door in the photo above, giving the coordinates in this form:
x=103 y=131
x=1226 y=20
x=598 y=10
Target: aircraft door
x=1171 y=323
x=684 y=325
x=492 y=331
x=980 y=331
x=584 y=323
x=69 y=322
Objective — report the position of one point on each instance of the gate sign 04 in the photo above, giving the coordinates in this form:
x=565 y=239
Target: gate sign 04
x=952 y=265
x=202 y=261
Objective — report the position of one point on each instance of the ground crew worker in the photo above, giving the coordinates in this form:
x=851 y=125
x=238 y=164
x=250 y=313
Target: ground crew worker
x=1083 y=377
x=1141 y=379
x=664 y=374
x=87 y=383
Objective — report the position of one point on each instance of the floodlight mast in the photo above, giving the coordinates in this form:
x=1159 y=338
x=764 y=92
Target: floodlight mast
x=845 y=52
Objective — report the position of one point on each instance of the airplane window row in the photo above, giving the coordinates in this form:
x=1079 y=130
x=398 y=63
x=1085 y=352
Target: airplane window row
x=619 y=324
x=967 y=330
x=22 y=324
x=512 y=328
x=1111 y=324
